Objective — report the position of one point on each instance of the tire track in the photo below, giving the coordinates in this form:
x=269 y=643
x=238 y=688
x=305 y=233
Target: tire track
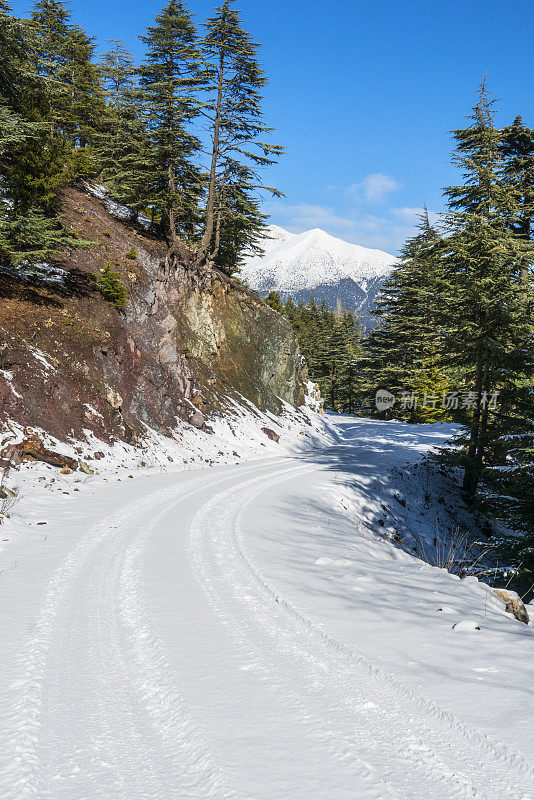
x=98 y=557
x=419 y=737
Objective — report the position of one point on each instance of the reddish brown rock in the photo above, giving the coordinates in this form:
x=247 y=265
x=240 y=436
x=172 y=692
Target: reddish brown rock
x=70 y=362
x=33 y=449
x=271 y=434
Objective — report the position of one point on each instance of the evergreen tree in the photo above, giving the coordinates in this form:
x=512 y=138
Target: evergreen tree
x=484 y=300
x=64 y=60
x=170 y=76
x=234 y=114
x=236 y=225
x=403 y=354
x=21 y=96
x=33 y=237
x=30 y=162
x=122 y=149
x=273 y=300
x=517 y=150
x=331 y=345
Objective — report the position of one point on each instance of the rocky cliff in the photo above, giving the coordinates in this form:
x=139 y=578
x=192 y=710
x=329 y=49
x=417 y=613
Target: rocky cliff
x=71 y=363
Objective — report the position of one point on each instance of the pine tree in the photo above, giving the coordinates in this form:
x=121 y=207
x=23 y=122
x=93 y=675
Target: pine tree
x=484 y=299
x=170 y=77
x=273 y=301
x=122 y=145
x=21 y=95
x=33 y=237
x=63 y=56
x=330 y=343
x=403 y=353
x=517 y=151
x=348 y=383
x=234 y=115
x=238 y=218
x=31 y=166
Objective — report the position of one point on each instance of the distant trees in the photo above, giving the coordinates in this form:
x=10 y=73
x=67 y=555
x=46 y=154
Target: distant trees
x=331 y=343
x=143 y=131
x=403 y=353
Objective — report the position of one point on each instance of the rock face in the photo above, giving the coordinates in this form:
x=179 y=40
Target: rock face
x=70 y=362
x=514 y=604
x=32 y=449
x=238 y=346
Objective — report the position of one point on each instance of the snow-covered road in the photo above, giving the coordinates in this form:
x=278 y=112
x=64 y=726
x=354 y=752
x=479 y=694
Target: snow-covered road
x=236 y=632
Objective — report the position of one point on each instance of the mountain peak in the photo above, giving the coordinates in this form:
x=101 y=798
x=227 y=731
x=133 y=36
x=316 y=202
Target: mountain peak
x=302 y=261
x=316 y=263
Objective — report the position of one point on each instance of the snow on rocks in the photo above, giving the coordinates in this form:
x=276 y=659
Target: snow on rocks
x=117 y=210
x=466 y=625
x=514 y=604
x=40 y=273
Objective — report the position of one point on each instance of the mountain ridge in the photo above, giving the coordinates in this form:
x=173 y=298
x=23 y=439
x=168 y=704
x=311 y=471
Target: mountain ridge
x=316 y=263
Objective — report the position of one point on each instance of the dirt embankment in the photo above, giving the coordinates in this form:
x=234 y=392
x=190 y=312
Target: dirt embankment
x=71 y=362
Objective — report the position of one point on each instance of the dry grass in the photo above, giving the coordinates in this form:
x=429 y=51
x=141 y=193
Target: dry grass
x=458 y=553
x=8 y=496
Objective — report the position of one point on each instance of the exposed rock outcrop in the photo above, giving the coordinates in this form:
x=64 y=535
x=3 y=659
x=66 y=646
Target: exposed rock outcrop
x=274 y=437
x=71 y=363
x=514 y=604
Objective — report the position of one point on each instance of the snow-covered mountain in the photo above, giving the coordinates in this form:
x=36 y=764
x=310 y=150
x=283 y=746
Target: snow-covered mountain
x=314 y=262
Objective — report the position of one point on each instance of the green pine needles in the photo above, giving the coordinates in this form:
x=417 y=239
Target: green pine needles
x=110 y=286
x=455 y=319
x=179 y=137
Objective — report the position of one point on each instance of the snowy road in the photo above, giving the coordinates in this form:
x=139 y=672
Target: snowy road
x=231 y=633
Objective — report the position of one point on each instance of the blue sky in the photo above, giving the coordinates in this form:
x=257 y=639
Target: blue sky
x=363 y=94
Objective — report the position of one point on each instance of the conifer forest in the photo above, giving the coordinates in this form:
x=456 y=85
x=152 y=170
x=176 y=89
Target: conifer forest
x=285 y=479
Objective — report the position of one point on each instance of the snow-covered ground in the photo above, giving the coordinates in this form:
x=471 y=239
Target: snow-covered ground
x=248 y=631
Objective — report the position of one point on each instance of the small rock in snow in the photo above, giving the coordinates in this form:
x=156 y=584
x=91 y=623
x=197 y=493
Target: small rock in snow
x=466 y=625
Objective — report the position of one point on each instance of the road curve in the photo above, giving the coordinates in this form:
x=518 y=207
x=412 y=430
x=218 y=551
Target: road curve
x=163 y=664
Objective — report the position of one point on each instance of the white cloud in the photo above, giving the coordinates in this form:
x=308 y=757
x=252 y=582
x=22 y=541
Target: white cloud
x=411 y=216
x=385 y=231
x=374 y=187
x=304 y=217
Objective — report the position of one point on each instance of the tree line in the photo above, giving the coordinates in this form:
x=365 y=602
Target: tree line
x=330 y=341
x=179 y=137
x=455 y=333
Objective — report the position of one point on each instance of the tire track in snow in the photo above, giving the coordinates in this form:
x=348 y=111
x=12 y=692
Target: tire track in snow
x=359 y=773
x=426 y=740
x=20 y=769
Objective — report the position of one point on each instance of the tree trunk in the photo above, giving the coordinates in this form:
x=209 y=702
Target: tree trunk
x=470 y=481
x=173 y=236
x=203 y=250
